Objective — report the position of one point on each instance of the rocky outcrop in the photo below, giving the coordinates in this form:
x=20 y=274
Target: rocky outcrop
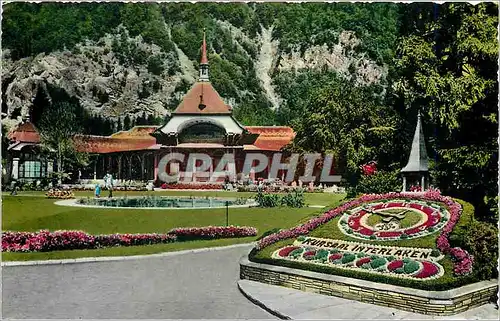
x=103 y=81
x=341 y=58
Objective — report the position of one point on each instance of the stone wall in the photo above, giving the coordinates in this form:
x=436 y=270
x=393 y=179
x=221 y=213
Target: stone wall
x=419 y=301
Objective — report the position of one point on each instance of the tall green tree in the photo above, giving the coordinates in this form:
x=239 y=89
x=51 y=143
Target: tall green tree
x=447 y=62
x=348 y=122
x=58 y=125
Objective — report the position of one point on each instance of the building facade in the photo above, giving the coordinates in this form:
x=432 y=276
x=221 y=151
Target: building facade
x=202 y=123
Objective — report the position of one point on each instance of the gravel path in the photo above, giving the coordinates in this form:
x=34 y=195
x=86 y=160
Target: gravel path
x=187 y=286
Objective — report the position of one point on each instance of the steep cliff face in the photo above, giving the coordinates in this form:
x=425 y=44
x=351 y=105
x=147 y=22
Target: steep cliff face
x=120 y=75
x=94 y=73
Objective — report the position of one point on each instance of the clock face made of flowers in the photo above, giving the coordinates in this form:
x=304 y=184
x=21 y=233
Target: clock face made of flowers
x=393 y=220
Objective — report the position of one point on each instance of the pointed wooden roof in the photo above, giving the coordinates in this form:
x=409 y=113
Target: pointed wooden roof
x=418 y=161
x=25 y=132
x=211 y=99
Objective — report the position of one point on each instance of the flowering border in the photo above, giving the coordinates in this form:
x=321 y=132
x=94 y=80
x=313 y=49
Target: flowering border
x=424 y=270
x=210 y=232
x=46 y=241
x=462 y=259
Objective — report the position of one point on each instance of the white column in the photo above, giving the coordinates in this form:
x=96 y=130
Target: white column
x=95 y=169
x=15 y=168
x=193 y=171
x=404 y=183
x=423 y=182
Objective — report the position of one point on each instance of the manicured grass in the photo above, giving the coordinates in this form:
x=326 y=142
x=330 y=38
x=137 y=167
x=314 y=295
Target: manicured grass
x=31 y=211
x=411 y=218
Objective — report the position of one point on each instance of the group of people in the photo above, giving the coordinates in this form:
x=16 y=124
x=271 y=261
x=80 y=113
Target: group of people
x=108 y=184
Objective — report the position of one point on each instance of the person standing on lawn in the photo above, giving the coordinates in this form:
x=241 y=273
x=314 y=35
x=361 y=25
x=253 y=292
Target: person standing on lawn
x=97 y=190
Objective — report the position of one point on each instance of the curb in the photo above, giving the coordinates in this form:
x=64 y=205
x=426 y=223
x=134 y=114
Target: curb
x=123 y=258
x=262 y=305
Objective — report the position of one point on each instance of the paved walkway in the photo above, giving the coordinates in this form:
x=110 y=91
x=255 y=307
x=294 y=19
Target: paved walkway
x=294 y=304
x=186 y=286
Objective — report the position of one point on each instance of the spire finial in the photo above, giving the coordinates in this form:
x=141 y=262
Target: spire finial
x=204 y=60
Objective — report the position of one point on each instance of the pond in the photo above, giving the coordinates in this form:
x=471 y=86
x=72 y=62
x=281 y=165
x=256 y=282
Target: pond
x=162 y=202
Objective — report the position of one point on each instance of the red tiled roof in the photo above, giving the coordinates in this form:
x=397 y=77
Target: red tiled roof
x=25 y=132
x=272 y=138
x=106 y=144
x=191 y=101
x=135 y=132
x=137 y=138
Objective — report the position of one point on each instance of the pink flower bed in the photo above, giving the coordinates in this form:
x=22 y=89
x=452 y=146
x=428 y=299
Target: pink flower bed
x=463 y=260
x=211 y=232
x=44 y=241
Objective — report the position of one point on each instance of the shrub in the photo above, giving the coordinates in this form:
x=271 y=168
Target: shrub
x=269 y=232
x=411 y=267
x=267 y=199
x=435 y=253
x=348 y=257
x=378 y=183
x=378 y=262
x=294 y=198
x=480 y=239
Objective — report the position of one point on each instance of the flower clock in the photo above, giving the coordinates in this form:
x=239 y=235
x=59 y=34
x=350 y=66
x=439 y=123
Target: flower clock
x=375 y=219
x=393 y=220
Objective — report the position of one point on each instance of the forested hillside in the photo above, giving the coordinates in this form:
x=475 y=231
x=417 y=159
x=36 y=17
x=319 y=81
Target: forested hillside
x=133 y=58
x=348 y=77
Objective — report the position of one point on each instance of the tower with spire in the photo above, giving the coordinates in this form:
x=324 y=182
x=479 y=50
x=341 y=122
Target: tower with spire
x=204 y=61
x=417 y=168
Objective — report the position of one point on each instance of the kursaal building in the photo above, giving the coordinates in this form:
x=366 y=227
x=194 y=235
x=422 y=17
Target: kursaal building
x=202 y=123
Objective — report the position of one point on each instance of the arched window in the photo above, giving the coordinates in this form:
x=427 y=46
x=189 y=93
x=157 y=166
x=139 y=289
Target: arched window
x=202 y=133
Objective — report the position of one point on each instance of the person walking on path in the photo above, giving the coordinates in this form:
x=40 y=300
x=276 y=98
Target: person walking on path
x=108 y=181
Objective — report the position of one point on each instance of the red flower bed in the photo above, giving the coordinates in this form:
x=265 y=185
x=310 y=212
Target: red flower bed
x=363 y=261
x=309 y=255
x=287 y=250
x=192 y=186
x=395 y=265
x=429 y=269
x=212 y=232
x=334 y=257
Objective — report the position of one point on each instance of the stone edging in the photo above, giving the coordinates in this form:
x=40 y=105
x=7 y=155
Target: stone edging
x=73 y=202
x=448 y=302
x=122 y=258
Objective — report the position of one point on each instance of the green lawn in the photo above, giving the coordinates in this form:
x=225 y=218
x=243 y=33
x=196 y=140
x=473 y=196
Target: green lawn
x=31 y=211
